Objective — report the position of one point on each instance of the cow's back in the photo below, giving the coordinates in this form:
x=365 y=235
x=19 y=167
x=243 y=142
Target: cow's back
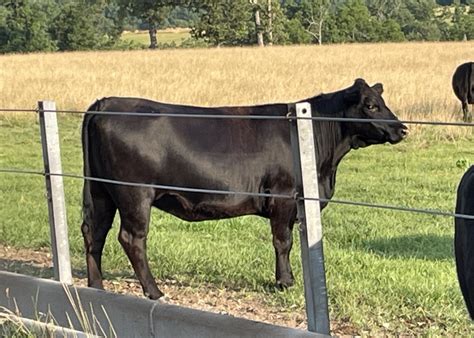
x=464 y=239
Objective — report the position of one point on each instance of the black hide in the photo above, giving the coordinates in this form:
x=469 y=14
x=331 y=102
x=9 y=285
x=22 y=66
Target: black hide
x=463 y=86
x=221 y=154
x=464 y=239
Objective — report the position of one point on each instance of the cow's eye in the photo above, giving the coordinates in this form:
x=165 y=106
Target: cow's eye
x=371 y=107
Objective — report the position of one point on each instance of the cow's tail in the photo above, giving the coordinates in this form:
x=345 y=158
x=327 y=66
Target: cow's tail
x=87 y=201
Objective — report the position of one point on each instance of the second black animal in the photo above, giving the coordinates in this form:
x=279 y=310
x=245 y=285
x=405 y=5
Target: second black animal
x=463 y=86
x=464 y=239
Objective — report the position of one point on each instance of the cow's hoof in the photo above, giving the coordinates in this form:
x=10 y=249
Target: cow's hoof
x=96 y=285
x=284 y=284
x=164 y=300
x=154 y=295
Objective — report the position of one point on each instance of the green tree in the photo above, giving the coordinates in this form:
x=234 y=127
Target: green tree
x=225 y=22
x=153 y=12
x=384 y=14
x=274 y=22
x=293 y=25
x=416 y=18
x=296 y=32
x=355 y=23
x=312 y=20
x=83 y=25
x=462 y=24
x=315 y=14
x=384 y=9
x=182 y=17
x=24 y=26
x=424 y=31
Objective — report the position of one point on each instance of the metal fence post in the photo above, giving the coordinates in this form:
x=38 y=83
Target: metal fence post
x=55 y=191
x=309 y=216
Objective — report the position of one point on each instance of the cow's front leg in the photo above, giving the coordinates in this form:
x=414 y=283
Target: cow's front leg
x=282 y=218
x=132 y=237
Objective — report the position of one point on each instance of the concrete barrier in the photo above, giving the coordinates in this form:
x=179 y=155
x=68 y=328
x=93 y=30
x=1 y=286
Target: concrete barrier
x=108 y=314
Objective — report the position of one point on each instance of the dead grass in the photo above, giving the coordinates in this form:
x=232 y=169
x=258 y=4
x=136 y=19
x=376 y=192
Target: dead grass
x=416 y=76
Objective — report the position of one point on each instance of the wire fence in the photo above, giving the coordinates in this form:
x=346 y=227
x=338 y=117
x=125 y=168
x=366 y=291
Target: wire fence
x=246 y=117
x=241 y=193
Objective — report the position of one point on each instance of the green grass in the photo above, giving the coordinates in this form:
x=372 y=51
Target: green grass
x=387 y=272
x=164 y=37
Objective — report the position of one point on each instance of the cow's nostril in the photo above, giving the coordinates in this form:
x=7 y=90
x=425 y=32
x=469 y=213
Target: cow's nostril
x=404 y=132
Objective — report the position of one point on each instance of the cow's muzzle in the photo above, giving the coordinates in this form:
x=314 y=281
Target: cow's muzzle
x=400 y=133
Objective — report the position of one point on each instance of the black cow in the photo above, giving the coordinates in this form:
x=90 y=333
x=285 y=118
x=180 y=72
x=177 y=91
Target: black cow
x=463 y=86
x=464 y=239
x=221 y=154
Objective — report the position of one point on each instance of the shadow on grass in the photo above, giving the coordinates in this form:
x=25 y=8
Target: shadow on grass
x=428 y=247
x=26 y=268
x=32 y=269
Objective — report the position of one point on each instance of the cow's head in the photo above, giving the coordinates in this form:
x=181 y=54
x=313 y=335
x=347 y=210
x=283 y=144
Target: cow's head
x=365 y=102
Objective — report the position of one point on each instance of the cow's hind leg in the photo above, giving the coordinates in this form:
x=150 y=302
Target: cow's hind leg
x=132 y=237
x=467 y=117
x=282 y=218
x=98 y=219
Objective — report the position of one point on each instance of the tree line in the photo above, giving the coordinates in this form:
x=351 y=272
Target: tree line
x=64 y=25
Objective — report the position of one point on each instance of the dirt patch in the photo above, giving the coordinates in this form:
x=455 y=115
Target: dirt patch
x=205 y=297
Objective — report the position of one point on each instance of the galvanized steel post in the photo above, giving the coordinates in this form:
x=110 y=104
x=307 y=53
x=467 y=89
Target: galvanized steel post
x=55 y=191
x=309 y=217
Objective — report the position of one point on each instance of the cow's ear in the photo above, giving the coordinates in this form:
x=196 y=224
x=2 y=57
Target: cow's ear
x=359 y=82
x=352 y=95
x=378 y=87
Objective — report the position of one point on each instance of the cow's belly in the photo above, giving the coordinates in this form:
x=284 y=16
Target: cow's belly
x=190 y=208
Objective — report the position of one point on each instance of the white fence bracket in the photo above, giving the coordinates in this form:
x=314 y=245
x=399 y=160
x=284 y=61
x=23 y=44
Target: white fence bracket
x=55 y=191
x=309 y=216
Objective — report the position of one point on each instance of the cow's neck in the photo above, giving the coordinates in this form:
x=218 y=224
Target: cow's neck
x=331 y=142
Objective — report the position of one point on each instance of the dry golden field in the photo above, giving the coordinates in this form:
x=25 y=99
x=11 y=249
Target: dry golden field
x=416 y=76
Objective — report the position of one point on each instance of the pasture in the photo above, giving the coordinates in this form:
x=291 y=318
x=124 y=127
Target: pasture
x=169 y=36
x=388 y=272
